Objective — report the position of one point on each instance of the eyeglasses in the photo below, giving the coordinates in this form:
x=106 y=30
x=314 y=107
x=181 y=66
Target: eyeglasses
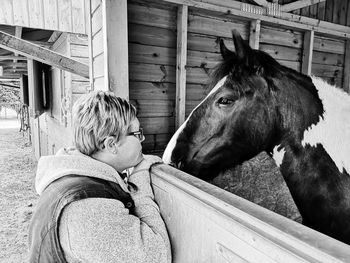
x=138 y=134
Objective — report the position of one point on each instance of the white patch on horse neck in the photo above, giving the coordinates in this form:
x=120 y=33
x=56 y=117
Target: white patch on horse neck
x=278 y=155
x=333 y=131
x=171 y=144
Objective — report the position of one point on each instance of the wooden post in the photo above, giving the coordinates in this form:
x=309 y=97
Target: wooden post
x=346 y=81
x=181 y=56
x=254 y=35
x=34 y=121
x=91 y=64
x=308 y=45
x=115 y=34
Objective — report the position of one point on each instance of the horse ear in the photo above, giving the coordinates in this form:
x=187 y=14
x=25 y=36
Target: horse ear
x=225 y=52
x=241 y=46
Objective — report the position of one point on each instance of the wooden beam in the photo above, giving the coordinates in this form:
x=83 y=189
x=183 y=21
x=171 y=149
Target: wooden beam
x=300 y=4
x=286 y=19
x=12 y=64
x=308 y=46
x=254 y=35
x=12 y=57
x=43 y=55
x=180 y=104
x=261 y=2
x=115 y=37
x=346 y=80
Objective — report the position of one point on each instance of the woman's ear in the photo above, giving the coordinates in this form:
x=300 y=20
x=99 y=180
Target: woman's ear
x=111 y=145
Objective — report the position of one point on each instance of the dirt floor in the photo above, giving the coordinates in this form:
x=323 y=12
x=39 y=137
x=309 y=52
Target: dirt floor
x=17 y=194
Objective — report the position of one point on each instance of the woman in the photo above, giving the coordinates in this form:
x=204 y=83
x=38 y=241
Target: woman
x=87 y=212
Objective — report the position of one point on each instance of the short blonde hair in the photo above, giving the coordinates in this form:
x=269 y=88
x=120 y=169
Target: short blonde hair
x=96 y=116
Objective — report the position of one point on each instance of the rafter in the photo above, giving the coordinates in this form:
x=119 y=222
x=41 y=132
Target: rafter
x=300 y=4
x=43 y=55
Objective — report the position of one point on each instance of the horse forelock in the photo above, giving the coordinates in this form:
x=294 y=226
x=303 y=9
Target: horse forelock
x=172 y=143
x=332 y=130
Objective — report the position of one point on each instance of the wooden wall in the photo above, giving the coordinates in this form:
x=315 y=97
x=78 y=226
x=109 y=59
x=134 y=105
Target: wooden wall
x=97 y=47
x=152 y=59
x=55 y=127
x=208 y=224
x=335 y=11
x=57 y=15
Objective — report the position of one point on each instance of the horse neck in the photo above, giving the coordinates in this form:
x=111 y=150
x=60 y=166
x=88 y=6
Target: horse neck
x=299 y=107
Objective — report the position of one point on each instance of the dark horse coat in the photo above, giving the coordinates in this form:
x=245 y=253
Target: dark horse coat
x=256 y=105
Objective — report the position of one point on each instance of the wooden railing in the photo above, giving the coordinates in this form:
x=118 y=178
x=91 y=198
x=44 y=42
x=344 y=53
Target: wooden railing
x=208 y=224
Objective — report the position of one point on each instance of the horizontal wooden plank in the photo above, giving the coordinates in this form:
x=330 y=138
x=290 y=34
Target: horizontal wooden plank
x=149 y=15
x=275 y=36
x=291 y=64
x=157 y=125
x=326 y=44
x=79 y=51
x=197 y=75
x=155 y=142
x=207 y=43
x=216 y=26
x=151 y=90
x=196 y=92
x=328 y=71
x=151 y=36
x=167 y=56
x=281 y=52
x=154 y=108
x=151 y=54
x=151 y=73
x=326 y=58
x=203 y=59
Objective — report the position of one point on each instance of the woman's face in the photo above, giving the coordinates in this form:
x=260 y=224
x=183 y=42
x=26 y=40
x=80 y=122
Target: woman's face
x=129 y=148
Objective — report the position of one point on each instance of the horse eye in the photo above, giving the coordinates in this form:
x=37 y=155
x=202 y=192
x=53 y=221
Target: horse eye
x=225 y=101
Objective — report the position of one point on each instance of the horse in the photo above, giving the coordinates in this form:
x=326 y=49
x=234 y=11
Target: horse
x=256 y=105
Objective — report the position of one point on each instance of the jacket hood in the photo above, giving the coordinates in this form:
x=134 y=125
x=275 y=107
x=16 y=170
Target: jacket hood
x=71 y=161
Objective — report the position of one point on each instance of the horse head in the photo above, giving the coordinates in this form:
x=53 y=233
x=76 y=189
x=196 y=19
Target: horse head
x=243 y=115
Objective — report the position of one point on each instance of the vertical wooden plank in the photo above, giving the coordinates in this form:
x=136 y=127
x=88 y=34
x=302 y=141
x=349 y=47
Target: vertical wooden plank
x=20 y=13
x=313 y=11
x=254 y=35
x=35 y=8
x=34 y=122
x=115 y=29
x=343 y=12
x=346 y=74
x=321 y=8
x=6 y=12
x=78 y=16
x=348 y=15
x=181 y=56
x=90 y=43
x=51 y=14
x=64 y=15
x=308 y=45
x=336 y=11
x=329 y=10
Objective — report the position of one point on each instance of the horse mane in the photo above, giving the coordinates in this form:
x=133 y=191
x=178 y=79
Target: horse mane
x=262 y=63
